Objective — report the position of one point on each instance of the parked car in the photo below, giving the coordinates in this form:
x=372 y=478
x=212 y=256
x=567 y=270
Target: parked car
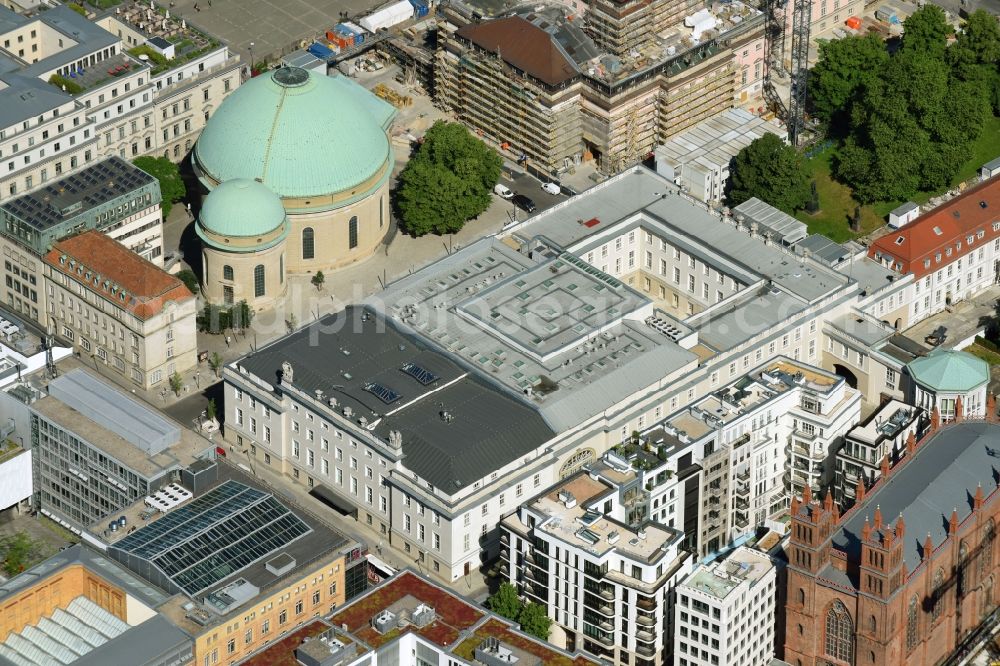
x=524 y=203
x=502 y=191
x=551 y=188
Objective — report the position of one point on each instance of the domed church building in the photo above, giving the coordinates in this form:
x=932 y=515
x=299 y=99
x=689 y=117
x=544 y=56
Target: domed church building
x=319 y=146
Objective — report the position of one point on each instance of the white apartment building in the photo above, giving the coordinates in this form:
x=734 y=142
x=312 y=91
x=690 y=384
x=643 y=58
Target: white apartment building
x=881 y=437
x=543 y=347
x=757 y=440
x=71 y=94
x=725 y=612
x=588 y=551
x=119 y=309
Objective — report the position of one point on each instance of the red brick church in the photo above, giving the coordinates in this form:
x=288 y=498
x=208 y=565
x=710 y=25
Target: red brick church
x=911 y=570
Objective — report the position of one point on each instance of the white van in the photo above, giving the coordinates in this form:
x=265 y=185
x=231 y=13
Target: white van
x=502 y=191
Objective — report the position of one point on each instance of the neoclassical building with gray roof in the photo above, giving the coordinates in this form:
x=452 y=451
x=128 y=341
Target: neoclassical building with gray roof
x=435 y=408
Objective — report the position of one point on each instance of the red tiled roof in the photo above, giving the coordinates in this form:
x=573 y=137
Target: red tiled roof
x=523 y=45
x=117 y=270
x=948 y=226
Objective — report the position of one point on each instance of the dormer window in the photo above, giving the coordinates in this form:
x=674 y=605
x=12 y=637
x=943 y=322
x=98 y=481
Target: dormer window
x=899 y=241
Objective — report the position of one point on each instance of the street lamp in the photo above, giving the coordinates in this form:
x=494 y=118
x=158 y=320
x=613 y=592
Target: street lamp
x=251 y=60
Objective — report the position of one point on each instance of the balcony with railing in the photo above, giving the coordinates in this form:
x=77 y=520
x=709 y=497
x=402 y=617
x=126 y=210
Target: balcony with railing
x=645 y=636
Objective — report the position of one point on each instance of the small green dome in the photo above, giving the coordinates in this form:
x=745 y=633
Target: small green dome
x=241 y=208
x=949 y=371
x=300 y=133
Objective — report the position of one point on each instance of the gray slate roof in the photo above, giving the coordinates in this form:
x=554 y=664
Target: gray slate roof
x=341 y=353
x=27 y=97
x=942 y=475
x=146 y=643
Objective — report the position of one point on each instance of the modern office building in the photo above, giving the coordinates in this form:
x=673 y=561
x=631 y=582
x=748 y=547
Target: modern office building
x=329 y=173
x=881 y=440
x=564 y=90
x=757 y=440
x=587 y=550
x=910 y=570
x=519 y=359
x=206 y=570
x=725 y=612
x=408 y=620
x=111 y=196
x=123 y=311
x=96 y=450
x=244 y=567
x=75 y=91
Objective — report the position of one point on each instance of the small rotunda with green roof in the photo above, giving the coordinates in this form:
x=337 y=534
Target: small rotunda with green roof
x=321 y=146
x=243 y=227
x=943 y=377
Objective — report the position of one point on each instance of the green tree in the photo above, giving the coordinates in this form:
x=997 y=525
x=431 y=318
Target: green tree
x=210 y=410
x=176 y=383
x=190 y=280
x=926 y=31
x=770 y=170
x=318 y=280
x=216 y=318
x=534 y=621
x=505 y=602
x=912 y=129
x=448 y=181
x=975 y=55
x=171 y=184
x=215 y=362
x=16 y=551
x=845 y=66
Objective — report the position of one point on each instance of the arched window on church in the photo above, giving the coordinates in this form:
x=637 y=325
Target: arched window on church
x=986 y=556
x=912 y=624
x=872 y=624
x=227 y=272
x=839 y=633
x=963 y=569
x=938 y=592
x=308 y=243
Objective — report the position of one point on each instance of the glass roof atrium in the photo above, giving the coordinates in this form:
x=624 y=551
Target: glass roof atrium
x=218 y=534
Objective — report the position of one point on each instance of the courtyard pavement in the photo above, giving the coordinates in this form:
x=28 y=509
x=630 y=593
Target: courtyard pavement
x=275 y=27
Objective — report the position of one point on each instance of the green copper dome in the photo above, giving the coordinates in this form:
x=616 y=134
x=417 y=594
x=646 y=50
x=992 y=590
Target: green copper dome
x=950 y=371
x=300 y=133
x=241 y=208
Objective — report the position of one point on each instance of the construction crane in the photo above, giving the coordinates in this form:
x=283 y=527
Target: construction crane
x=774 y=34
x=801 y=17
x=774 y=50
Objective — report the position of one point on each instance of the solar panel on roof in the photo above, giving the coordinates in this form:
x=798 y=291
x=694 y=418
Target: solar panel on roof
x=422 y=375
x=383 y=393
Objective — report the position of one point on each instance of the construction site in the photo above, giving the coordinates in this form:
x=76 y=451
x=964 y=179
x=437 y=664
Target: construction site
x=554 y=90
